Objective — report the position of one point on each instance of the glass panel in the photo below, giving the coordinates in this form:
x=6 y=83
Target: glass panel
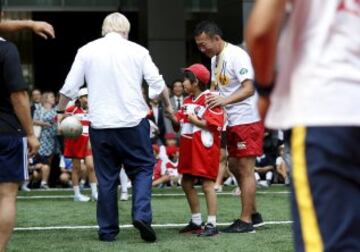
x=34 y=3
x=91 y=3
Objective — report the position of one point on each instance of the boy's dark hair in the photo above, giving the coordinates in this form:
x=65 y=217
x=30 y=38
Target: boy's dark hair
x=192 y=78
x=208 y=27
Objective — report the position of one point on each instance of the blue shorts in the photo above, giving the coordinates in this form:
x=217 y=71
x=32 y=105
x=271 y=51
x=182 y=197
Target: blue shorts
x=326 y=186
x=13 y=158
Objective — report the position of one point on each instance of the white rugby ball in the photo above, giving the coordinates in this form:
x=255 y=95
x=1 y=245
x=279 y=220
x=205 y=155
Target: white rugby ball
x=71 y=127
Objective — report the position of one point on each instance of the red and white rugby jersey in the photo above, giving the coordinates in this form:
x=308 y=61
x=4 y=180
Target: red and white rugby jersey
x=198 y=158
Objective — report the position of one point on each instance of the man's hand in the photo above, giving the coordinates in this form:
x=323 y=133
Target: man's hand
x=215 y=100
x=169 y=112
x=263 y=105
x=33 y=145
x=192 y=118
x=43 y=29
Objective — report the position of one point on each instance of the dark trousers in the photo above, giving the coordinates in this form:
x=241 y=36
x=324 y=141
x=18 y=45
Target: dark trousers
x=131 y=148
x=326 y=186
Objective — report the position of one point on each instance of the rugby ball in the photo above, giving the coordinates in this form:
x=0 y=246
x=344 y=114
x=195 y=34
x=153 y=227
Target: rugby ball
x=70 y=127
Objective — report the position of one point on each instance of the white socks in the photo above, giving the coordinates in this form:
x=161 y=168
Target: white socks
x=123 y=181
x=196 y=218
x=212 y=220
x=93 y=187
x=76 y=190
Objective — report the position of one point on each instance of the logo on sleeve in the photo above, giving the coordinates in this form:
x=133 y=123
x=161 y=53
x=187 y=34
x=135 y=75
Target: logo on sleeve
x=243 y=71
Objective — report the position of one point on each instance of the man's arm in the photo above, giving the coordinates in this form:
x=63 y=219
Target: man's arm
x=261 y=37
x=21 y=104
x=43 y=29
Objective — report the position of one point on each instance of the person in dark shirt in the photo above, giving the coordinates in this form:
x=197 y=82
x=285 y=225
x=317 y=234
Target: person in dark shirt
x=17 y=139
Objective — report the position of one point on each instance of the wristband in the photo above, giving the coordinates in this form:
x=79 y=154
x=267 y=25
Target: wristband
x=262 y=89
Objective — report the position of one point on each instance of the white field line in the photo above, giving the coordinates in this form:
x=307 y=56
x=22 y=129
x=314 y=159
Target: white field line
x=167 y=225
x=154 y=195
x=88 y=189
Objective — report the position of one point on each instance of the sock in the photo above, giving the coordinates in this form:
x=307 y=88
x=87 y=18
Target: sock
x=77 y=190
x=212 y=220
x=123 y=181
x=43 y=182
x=196 y=218
x=93 y=188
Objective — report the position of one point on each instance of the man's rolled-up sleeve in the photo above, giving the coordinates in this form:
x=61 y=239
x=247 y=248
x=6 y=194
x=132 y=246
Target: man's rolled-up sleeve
x=153 y=78
x=75 y=78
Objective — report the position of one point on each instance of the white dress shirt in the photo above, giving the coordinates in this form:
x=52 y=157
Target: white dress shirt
x=114 y=69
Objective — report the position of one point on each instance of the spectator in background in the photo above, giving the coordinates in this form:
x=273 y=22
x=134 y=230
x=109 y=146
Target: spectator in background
x=45 y=117
x=66 y=167
x=177 y=98
x=157 y=116
x=281 y=167
x=35 y=100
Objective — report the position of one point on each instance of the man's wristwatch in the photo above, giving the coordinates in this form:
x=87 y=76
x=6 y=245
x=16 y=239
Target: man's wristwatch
x=60 y=111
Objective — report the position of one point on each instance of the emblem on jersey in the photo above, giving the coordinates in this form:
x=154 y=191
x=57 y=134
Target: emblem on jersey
x=221 y=76
x=243 y=71
x=241 y=145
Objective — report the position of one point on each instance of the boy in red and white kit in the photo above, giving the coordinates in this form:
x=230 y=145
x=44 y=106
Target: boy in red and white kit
x=79 y=148
x=199 y=147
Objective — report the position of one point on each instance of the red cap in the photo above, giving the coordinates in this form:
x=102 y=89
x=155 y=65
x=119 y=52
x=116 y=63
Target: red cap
x=171 y=150
x=200 y=71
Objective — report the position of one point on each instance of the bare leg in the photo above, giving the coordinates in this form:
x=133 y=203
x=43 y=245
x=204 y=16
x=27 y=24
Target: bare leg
x=210 y=196
x=161 y=180
x=75 y=171
x=45 y=173
x=243 y=170
x=222 y=168
x=187 y=184
x=89 y=163
x=8 y=193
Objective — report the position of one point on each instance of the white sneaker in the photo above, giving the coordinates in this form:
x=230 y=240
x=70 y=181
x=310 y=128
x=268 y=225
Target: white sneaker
x=236 y=191
x=81 y=198
x=25 y=188
x=129 y=185
x=124 y=196
x=218 y=189
x=94 y=197
x=228 y=181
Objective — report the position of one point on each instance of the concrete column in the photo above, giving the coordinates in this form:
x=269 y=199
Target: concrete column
x=162 y=30
x=230 y=19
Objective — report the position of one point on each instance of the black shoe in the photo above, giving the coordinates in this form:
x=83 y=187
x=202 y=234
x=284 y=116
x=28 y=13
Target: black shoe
x=209 y=230
x=191 y=227
x=146 y=231
x=257 y=220
x=239 y=226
